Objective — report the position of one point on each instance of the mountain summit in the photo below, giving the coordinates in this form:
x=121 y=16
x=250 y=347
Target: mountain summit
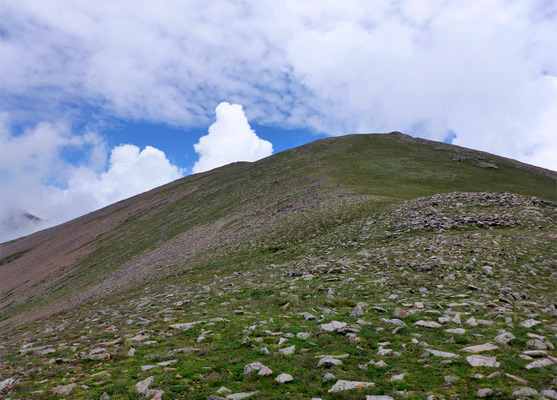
x=351 y=266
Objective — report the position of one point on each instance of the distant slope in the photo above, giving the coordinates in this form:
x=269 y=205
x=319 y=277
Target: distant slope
x=238 y=207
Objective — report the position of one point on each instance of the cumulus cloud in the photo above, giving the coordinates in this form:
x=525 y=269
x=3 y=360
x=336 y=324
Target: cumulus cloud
x=36 y=178
x=230 y=139
x=481 y=70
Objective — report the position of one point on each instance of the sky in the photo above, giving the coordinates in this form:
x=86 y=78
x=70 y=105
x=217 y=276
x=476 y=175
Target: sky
x=103 y=100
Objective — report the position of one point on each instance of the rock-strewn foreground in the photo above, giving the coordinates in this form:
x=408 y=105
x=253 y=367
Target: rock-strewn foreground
x=447 y=296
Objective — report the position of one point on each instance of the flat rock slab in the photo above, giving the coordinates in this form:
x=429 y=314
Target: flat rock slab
x=479 y=348
x=482 y=361
x=529 y=323
x=544 y=362
x=329 y=362
x=284 y=378
x=307 y=316
x=525 y=392
x=143 y=386
x=444 y=354
x=341 y=385
x=428 y=324
x=504 y=338
x=7 y=383
x=368 y=397
x=185 y=326
x=287 y=350
x=240 y=396
x=265 y=371
x=458 y=331
x=63 y=390
x=333 y=326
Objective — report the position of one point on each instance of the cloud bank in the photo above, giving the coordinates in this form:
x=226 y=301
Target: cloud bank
x=483 y=73
x=36 y=177
x=230 y=139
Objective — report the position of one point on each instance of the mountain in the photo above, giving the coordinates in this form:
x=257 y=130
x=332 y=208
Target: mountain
x=417 y=249
x=15 y=223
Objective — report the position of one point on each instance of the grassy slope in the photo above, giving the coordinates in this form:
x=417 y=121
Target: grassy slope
x=244 y=193
x=311 y=208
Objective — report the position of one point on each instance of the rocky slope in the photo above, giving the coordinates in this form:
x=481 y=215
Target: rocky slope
x=337 y=282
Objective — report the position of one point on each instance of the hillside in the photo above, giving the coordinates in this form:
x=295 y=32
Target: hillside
x=210 y=273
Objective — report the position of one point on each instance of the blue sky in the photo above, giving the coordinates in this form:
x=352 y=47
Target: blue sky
x=177 y=143
x=102 y=100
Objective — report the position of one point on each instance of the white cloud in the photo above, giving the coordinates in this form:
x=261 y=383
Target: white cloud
x=230 y=139
x=475 y=68
x=35 y=178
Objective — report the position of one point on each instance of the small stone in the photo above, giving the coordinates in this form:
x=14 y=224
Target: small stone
x=185 y=326
x=398 y=377
x=383 y=352
x=480 y=348
x=488 y=270
x=6 y=383
x=484 y=392
x=254 y=366
x=265 y=351
x=471 y=322
x=380 y=364
x=458 y=331
x=307 y=316
x=369 y=397
x=443 y=354
x=287 y=350
x=139 y=337
x=504 y=338
x=224 y=389
x=450 y=379
x=328 y=362
x=131 y=353
x=550 y=394
x=401 y=313
x=342 y=384
x=143 y=386
x=358 y=311
x=544 y=362
x=428 y=324
x=535 y=353
x=529 y=323
x=482 y=361
x=517 y=378
x=537 y=343
x=397 y=322
x=284 y=378
x=494 y=375
x=419 y=305
x=105 y=396
x=525 y=392
x=303 y=335
x=63 y=390
x=240 y=396
x=328 y=377
x=265 y=371
x=333 y=326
